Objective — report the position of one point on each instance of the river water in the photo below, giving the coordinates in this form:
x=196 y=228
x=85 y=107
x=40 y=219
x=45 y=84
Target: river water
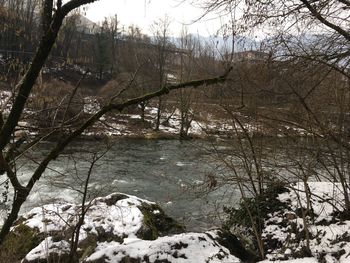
x=170 y=172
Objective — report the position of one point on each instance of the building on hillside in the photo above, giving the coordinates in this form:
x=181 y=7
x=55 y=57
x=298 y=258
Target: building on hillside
x=251 y=56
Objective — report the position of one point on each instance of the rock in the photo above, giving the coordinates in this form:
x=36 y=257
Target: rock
x=156 y=223
x=290 y=216
x=116 y=228
x=181 y=248
x=231 y=242
x=109 y=219
x=49 y=251
x=18 y=243
x=114 y=198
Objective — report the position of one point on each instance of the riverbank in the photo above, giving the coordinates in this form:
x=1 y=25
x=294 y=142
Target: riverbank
x=210 y=121
x=115 y=228
x=299 y=223
x=123 y=228
x=289 y=231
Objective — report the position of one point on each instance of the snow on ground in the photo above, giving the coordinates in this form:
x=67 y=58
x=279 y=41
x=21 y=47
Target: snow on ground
x=196 y=128
x=187 y=247
x=118 y=215
x=121 y=124
x=329 y=236
x=298 y=260
x=40 y=253
x=326 y=198
x=5 y=101
x=91 y=105
x=111 y=125
x=123 y=218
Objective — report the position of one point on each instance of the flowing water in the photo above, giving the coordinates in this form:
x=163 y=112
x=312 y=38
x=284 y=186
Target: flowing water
x=170 y=172
x=175 y=174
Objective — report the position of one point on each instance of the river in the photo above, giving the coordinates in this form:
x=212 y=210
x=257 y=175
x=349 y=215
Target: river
x=169 y=172
x=172 y=173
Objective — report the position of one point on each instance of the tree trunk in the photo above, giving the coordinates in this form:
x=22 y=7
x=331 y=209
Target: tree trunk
x=159 y=113
x=26 y=84
x=19 y=199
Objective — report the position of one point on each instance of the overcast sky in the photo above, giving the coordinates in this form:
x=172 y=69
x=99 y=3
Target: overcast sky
x=144 y=12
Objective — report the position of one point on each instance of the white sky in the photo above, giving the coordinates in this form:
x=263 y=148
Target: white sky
x=143 y=13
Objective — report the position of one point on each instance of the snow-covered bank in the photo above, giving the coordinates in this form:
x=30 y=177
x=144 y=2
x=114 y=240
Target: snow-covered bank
x=120 y=225
x=116 y=228
x=187 y=247
x=297 y=231
x=131 y=125
x=200 y=124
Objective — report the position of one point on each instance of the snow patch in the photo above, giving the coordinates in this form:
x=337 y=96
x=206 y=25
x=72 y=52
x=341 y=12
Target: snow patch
x=183 y=248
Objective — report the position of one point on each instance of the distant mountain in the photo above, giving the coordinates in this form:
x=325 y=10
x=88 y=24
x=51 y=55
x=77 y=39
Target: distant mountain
x=241 y=43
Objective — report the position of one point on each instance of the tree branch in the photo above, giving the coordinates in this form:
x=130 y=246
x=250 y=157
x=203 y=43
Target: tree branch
x=47 y=15
x=27 y=82
x=73 y=4
x=166 y=89
x=120 y=106
x=324 y=21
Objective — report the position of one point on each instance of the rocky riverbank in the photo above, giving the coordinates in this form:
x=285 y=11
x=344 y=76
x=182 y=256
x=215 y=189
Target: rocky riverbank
x=116 y=228
x=124 y=228
x=297 y=225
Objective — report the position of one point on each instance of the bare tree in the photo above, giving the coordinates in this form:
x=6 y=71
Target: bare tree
x=162 y=53
x=323 y=22
x=84 y=206
x=188 y=46
x=52 y=21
